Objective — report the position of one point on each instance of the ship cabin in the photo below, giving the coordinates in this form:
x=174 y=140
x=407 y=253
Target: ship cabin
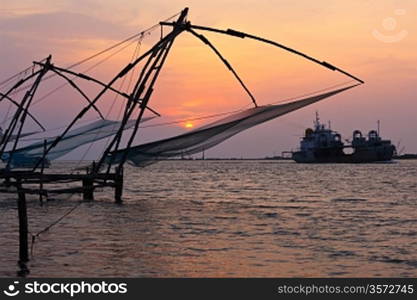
x=320 y=137
x=373 y=140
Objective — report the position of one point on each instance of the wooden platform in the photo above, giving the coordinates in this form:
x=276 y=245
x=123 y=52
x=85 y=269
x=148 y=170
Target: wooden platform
x=30 y=182
x=89 y=182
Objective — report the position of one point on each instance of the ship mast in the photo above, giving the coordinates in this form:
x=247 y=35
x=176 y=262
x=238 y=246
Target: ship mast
x=378 y=127
x=317 y=121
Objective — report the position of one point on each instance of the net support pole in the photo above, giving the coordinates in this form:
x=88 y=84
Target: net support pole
x=143 y=89
x=179 y=27
x=225 y=62
x=23 y=228
x=88 y=188
x=41 y=175
x=21 y=114
x=242 y=35
x=98 y=96
x=118 y=185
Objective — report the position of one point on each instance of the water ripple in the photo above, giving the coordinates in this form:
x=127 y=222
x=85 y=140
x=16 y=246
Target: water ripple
x=230 y=218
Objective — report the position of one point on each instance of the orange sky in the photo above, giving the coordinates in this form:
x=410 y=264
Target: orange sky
x=375 y=40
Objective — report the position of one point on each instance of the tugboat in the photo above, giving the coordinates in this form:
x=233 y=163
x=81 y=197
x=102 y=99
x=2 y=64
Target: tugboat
x=323 y=145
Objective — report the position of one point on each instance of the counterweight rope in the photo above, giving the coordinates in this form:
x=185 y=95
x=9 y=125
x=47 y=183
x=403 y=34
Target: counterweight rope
x=245 y=107
x=134 y=55
x=35 y=236
x=149 y=29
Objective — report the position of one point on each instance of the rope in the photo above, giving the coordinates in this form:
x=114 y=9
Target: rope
x=35 y=236
x=85 y=71
x=61 y=127
x=120 y=43
x=53 y=91
x=6 y=117
x=103 y=51
x=134 y=37
x=15 y=76
x=134 y=55
x=244 y=107
x=21 y=73
x=192 y=119
x=314 y=92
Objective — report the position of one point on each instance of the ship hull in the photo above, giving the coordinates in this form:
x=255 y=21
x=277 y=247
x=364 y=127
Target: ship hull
x=323 y=145
x=364 y=155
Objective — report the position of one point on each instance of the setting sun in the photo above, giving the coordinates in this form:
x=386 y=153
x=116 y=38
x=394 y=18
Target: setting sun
x=188 y=125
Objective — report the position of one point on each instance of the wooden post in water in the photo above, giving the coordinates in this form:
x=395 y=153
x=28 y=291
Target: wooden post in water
x=88 y=186
x=118 y=185
x=41 y=177
x=88 y=189
x=23 y=225
x=7 y=182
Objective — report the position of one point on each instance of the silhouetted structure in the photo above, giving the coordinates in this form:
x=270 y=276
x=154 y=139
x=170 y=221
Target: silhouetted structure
x=108 y=170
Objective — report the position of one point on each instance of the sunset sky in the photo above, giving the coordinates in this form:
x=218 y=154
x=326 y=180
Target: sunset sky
x=374 y=40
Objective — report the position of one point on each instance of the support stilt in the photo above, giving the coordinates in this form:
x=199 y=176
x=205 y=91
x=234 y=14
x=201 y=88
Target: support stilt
x=23 y=230
x=88 y=189
x=118 y=182
x=7 y=182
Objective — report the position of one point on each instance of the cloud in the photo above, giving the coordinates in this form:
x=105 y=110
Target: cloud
x=195 y=83
x=62 y=25
x=65 y=35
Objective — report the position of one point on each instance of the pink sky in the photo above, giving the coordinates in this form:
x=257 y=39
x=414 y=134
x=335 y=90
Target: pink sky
x=375 y=40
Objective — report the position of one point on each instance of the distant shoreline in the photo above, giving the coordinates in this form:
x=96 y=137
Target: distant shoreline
x=405 y=156
x=400 y=157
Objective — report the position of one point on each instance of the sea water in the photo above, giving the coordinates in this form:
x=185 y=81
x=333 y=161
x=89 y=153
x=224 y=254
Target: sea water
x=228 y=219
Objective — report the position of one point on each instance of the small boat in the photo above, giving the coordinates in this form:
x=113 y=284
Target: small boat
x=323 y=145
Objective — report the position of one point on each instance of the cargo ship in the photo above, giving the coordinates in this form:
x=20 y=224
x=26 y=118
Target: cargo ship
x=323 y=145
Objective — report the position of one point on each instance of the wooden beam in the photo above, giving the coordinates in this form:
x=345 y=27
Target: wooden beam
x=23 y=226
